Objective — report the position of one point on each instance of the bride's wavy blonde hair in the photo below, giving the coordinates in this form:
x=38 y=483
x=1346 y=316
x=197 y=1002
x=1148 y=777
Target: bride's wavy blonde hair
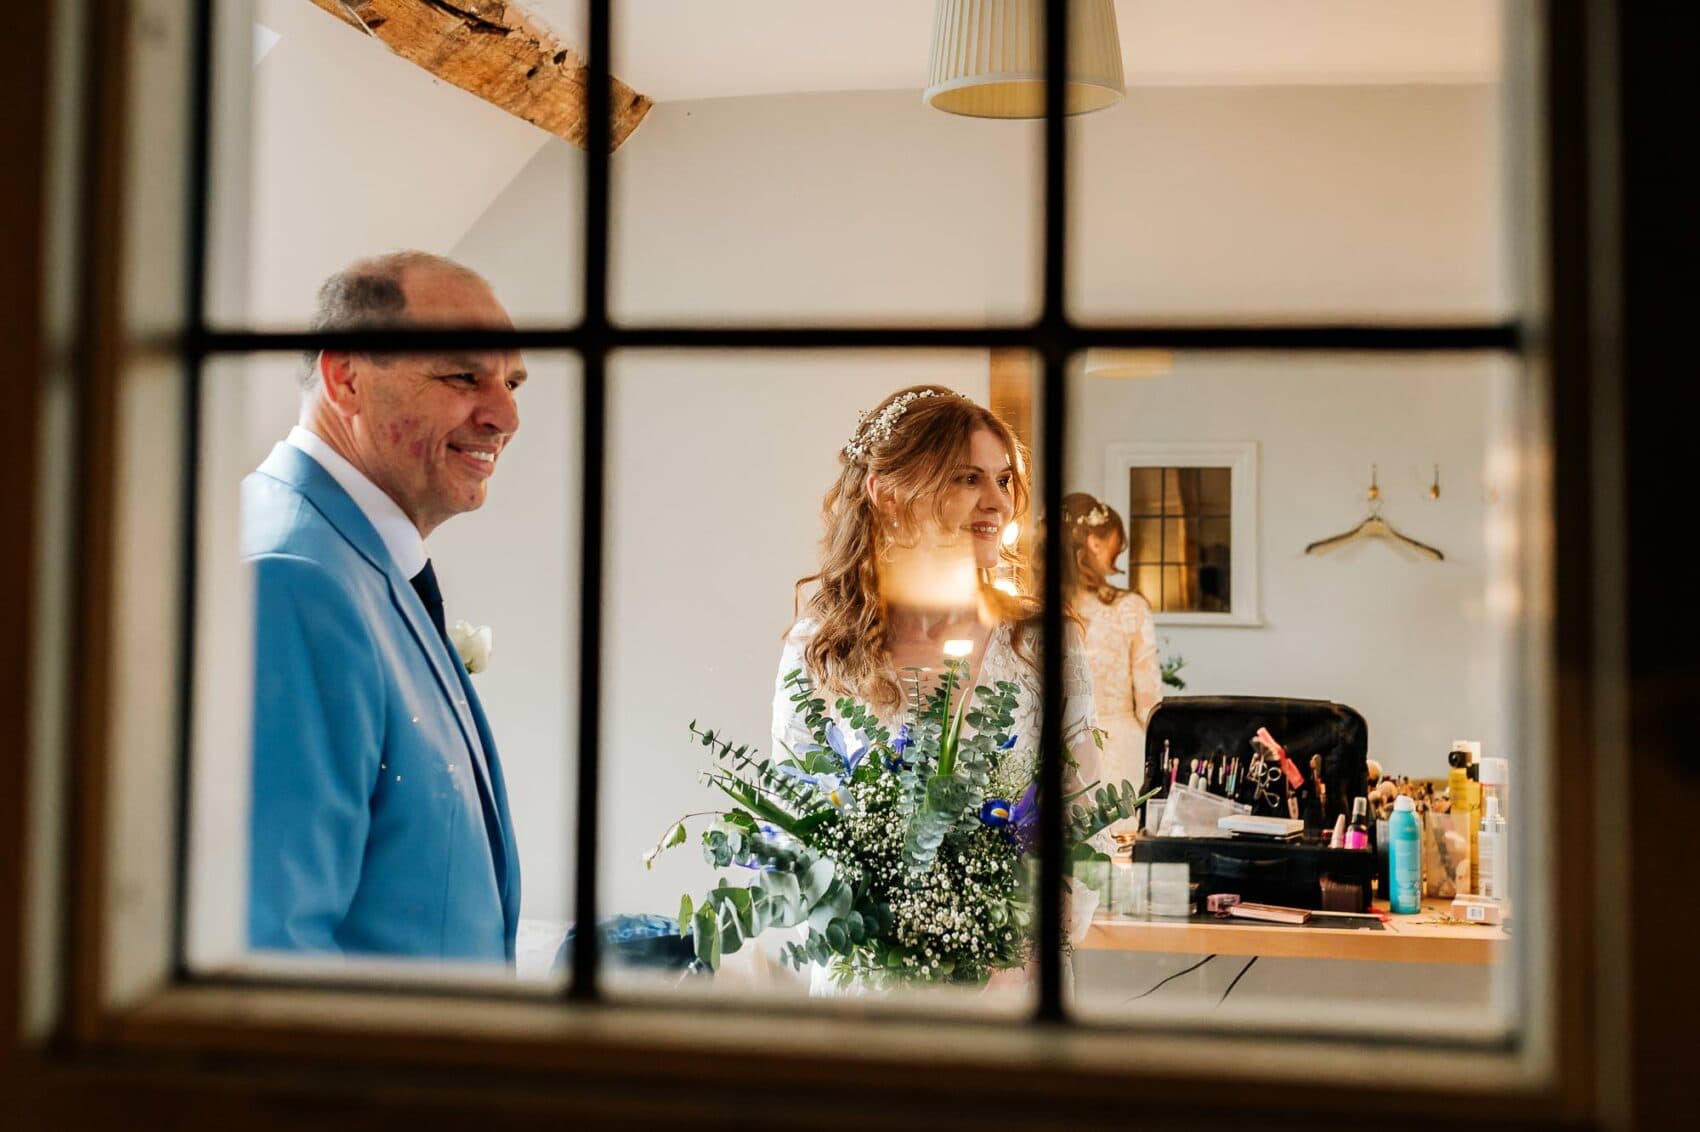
x=916 y=461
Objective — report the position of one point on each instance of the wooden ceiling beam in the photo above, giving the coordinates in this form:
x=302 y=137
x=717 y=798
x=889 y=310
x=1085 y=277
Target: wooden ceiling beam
x=497 y=51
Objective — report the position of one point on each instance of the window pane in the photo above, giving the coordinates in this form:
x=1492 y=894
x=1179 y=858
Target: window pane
x=1214 y=589
x=1186 y=485
x=1176 y=593
x=1146 y=541
x=797 y=176
x=709 y=536
x=1214 y=539
x=329 y=145
x=1458 y=669
x=360 y=808
x=1147 y=498
x=1171 y=491
x=1215 y=496
x=1257 y=171
x=1175 y=544
x=1148 y=583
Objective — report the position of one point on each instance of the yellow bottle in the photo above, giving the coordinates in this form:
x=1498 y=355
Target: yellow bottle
x=1463 y=799
x=1473 y=790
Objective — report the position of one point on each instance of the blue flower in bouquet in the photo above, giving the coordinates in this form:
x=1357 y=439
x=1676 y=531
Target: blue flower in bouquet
x=776 y=837
x=835 y=787
x=1007 y=744
x=836 y=790
x=1019 y=823
x=900 y=743
x=850 y=757
x=1024 y=819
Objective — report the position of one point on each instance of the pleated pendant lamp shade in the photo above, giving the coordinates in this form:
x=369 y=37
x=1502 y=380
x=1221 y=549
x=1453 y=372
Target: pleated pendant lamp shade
x=988 y=58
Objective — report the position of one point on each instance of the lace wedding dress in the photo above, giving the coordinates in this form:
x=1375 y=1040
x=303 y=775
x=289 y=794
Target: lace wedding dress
x=1001 y=662
x=1127 y=682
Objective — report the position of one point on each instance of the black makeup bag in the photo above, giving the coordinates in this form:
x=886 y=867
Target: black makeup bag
x=1327 y=742
x=1203 y=735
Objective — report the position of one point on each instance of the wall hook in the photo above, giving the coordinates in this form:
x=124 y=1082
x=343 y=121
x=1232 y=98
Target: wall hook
x=1434 y=488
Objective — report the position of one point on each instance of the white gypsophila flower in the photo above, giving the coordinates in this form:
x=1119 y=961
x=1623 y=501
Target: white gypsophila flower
x=953 y=919
x=1015 y=772
x=474 y=644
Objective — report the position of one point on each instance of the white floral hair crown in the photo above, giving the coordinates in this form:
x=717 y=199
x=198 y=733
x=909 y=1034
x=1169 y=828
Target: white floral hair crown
x=1097 y=517
x=875 y=428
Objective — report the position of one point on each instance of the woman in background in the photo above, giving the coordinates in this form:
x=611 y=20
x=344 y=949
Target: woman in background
x=1121 y=638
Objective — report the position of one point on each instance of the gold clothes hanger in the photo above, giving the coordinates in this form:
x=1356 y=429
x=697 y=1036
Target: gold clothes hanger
x=1373 y=526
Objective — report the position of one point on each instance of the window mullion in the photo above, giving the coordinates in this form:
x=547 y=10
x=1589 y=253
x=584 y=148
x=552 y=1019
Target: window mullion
x=1052 y=437
x=583 y=986
x=197 y=222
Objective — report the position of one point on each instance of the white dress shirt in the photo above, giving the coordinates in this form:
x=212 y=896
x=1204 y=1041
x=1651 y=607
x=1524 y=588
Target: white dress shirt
x=401 y=537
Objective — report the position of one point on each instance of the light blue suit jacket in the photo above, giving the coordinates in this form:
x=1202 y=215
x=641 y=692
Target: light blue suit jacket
x=380 y=817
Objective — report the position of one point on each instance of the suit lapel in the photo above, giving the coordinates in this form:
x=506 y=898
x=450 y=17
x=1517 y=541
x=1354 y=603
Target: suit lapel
x=502 y=834
x=290 y=465
x=452 y=679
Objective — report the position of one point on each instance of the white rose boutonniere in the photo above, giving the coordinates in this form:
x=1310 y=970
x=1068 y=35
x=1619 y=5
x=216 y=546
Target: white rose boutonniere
x=474 y=644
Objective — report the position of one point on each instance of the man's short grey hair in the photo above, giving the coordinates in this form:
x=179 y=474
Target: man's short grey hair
x=368 y=295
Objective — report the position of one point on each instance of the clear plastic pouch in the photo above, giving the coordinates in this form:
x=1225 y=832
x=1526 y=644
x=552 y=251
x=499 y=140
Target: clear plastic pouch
x=1446 y=854
x=1191 y=812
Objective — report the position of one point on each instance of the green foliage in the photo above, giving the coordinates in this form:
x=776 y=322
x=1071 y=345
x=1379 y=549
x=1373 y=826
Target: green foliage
x=882 y=884
x=757 y=785
x=1171 y=668
x=1105 y=806
x=927 y=831
x=808 y=705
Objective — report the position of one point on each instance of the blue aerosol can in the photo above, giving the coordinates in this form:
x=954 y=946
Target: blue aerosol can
x=1405 y=858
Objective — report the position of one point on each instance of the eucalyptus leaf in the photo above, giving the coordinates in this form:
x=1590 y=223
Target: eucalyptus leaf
x=705 y=926
x=817 y=880
x=946 y=795
x=783 y=884
x=737 y=898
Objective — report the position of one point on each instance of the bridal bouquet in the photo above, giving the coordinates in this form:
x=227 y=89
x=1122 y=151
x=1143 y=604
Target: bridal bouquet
x=907 y=856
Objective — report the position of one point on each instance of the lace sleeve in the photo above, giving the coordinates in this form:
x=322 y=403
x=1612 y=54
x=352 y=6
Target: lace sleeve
x=789 y=730
x=1080 y=713
x=1142 y=655
x=1079 y=710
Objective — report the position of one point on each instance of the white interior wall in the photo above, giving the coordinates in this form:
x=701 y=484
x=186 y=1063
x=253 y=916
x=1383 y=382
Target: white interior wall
x=1198 y=202
x=353 y=151
x=1262 y=202
x=1188 y=203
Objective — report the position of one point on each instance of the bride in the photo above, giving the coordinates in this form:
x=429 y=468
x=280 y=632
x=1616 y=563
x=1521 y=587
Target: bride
x=928 y=484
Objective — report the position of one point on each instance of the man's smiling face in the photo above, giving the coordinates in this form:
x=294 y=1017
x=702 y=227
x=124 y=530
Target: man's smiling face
x=430 y=428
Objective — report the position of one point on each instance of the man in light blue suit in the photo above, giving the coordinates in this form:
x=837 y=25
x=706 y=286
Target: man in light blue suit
x=380 y=817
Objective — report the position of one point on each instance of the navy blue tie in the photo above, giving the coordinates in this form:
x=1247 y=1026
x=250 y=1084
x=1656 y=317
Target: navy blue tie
x=425 y=585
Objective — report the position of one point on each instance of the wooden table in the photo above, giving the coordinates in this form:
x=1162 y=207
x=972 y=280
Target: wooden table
x=1403 y=939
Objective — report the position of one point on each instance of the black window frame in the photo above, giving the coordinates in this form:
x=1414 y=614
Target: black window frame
x=1053 y=337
